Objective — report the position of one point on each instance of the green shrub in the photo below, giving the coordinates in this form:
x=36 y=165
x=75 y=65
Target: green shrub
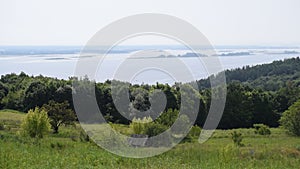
x=84 y=137
x=153 y=129
x=150 y=128
x=290 y=119
x=138 y=125
x=195 y=131
x=35 y=124
x=2 y=127
x=262 y=129
x=162 y=138
x=237 y=138
x=168 y=118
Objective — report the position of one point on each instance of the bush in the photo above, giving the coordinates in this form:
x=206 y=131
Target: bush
x=154 y=129
x=262 y=129
x=237 y=138
x=195 y=131
x=138 y=125
x=290 y=119
x=162 y=139
x=168 y=118
x=84 y=137
x=36 y=123
x=2 y=127
x=147 y=127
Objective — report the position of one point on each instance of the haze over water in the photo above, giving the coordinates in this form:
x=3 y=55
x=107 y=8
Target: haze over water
x=60 y=61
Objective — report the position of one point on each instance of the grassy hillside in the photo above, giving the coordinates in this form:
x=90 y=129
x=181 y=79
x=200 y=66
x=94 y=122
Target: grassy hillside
x=67 y=150
x=11 y=119
x=12 y=115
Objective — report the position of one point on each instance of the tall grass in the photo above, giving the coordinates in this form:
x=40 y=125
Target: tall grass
x=63 y=151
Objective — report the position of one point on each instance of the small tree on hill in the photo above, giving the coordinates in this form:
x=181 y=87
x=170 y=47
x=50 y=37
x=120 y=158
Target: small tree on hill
x=290 y=119
x=36 y=123
x=59 y=114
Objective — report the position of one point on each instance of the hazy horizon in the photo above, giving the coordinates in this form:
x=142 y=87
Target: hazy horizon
x=249 y=22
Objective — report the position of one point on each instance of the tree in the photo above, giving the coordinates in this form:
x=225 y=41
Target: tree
x=36 y=94
x=3 y=93
x=290 y=119
x=264 y=109
x=140 y=102
x=36 y=123
x=168 y=118
x=238 y=110
x=59 y=114
x=13 y=100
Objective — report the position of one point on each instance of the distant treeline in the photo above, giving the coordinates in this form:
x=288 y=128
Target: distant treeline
x=258 y=94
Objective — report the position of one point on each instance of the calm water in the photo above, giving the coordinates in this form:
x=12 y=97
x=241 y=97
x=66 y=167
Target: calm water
x=61 y=61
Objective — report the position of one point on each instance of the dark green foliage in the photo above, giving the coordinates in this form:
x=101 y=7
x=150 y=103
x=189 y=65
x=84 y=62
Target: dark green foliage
x=261 y=129
x=258 y=94
x=13 y=100
x=264 y=108
x=59 y=114
x=286 y=96
x=153 y=129
x=290 y=119
x=195 y=132
x=2 y=127
x=237 y=138
x=238 y=108
x=36 y=95
x=172 y=95
x=246 y=106
x=3 y=93
x=140 y=102
x=267 y=76
x=168 y=118
x=84 y=137
x=150 y=128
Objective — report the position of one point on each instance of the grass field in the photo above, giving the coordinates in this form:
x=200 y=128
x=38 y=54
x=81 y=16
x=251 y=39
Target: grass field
x=67 y=150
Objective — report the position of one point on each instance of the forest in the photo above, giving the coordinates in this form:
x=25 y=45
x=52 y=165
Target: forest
x=255 y=95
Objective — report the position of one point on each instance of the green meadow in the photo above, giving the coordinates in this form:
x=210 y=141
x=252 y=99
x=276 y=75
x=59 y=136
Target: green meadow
x=69 y=149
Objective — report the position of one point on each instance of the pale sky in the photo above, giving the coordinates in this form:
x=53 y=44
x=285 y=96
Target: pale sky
x=223 y=22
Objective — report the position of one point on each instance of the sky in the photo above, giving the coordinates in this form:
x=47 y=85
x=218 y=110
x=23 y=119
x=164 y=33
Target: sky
x=223 y=22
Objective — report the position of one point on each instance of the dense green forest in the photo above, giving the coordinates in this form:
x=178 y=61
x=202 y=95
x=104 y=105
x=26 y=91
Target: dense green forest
x=258 y=94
